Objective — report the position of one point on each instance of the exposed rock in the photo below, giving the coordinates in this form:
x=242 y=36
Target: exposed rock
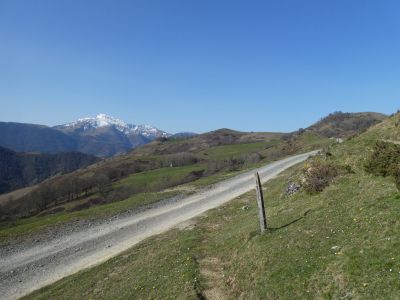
x=336 y=248
x=292 y=188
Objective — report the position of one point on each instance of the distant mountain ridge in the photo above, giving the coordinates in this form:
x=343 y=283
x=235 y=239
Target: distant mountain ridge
x=106 y=136
x=184 y=135
x=22 y=137
x=24 y=169
x=102 y=136
x=103 y=120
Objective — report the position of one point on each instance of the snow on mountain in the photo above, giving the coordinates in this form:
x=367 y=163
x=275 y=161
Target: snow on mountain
x=103 y=120
x=149 y=131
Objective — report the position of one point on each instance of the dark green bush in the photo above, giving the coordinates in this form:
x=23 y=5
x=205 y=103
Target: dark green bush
x=385 y=161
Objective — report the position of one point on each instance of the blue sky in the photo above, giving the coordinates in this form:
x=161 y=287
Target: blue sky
x=198 y=65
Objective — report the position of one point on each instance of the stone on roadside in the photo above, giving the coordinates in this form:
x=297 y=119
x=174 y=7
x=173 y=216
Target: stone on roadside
x=292 y=188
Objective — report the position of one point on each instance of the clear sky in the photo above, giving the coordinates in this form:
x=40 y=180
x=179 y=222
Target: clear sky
x=270 y=65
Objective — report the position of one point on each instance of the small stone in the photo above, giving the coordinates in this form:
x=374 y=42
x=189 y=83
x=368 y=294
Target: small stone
x=292 y=188
x=245 y=207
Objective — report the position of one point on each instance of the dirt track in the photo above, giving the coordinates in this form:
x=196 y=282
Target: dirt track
x=27 y=269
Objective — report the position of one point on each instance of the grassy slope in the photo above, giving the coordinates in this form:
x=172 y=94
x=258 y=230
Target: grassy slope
x=223 y=254
x=151 y=179
x=227 y=151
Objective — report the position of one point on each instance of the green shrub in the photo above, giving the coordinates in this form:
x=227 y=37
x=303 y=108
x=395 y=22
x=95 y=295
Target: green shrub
x=385 y=161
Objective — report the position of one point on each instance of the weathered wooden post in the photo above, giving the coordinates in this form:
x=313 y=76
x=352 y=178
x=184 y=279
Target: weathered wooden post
x=260 y=201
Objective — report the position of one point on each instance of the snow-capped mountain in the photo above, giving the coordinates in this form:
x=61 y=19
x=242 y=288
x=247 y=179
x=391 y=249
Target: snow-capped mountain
x=103 y=120
x=104 y=135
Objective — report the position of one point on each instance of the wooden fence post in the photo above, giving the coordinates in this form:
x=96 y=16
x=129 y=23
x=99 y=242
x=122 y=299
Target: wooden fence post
x=260 y=201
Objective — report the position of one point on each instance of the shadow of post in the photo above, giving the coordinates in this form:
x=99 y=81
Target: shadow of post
x=290 y=223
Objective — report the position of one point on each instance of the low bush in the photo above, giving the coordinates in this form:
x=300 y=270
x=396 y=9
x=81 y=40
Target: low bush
x=385 y=161
x=317 y=175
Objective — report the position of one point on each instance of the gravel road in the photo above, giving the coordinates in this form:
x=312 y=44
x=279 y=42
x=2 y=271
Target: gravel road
x=25 y=269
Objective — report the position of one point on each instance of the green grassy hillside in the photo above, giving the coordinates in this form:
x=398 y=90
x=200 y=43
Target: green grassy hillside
x=344 y=125
x=341 y=243
x=141 y=177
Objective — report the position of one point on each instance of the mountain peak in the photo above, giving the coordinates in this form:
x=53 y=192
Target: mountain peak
x=101 y=120
x=104 y=120
x=108 y=119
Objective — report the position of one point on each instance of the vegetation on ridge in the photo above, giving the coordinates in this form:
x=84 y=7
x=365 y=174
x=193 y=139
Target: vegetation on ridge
x=344 y=125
